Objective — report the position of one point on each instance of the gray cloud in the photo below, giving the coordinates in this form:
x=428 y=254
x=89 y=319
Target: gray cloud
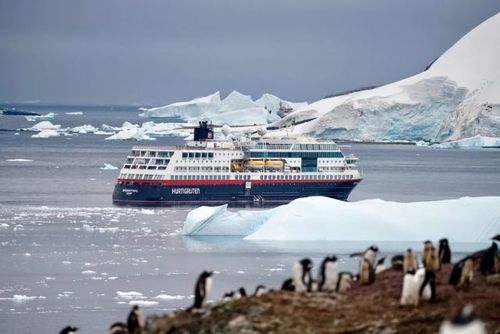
x=156 y=52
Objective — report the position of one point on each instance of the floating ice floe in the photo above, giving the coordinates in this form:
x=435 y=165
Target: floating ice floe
x=472 y=142
x=319 y=218
x=143 y=303
x=83 y=129
x=109 y=167
x=88 y=272
x=45 y=117
x=22 y=298
x=46 y=134
x=19 y=160
x=169 y=297
x=129 y=295
x=75 y=113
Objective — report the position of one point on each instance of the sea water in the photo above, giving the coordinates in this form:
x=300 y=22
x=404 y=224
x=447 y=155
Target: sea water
x=68 y=256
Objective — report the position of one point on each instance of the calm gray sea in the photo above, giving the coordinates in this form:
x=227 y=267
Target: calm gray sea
x=68 y=256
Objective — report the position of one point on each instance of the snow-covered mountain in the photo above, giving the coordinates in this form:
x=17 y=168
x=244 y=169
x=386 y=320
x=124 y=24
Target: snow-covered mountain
x=235 y=109
x=457 y=97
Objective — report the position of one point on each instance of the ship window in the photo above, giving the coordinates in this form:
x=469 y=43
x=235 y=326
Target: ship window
x=197 y=155
x=203 y=154
x=184 y=155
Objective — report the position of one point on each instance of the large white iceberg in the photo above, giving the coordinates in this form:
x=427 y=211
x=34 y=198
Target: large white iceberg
x=457 y=97
x=147 y=131
x=235 y=109
x=320 y=218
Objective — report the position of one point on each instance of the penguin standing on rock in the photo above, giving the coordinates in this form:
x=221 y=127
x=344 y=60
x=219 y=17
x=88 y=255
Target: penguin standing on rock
x=366 y=273
x=397 y=262
x=135 y=321
x=412 y=281
x=69 y=330
x=431 y=263
x=444 y=251
x=367 y=264
x=344 y=282
x=301 y=275
x=380 y=267
x=202 y=289
x=462 y=272
x=260 y=290
x=328 y=274
x=427 y=250
x=409 y=262
x=488 y=260
x=464 y=322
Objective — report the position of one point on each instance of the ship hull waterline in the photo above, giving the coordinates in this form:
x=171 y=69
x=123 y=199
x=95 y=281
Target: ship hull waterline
x=232 y=192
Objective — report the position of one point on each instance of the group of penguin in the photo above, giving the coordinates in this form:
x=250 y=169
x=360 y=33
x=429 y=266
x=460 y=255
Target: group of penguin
x=419 y=283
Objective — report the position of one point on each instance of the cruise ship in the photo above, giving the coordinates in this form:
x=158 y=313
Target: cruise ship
x=209 y=171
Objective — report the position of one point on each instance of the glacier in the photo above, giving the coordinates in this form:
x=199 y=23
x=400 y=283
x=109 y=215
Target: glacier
x=455 y=98
x=235 y=109
x=467 y=219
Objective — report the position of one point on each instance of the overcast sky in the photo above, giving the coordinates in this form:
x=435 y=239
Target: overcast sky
x=157 y=52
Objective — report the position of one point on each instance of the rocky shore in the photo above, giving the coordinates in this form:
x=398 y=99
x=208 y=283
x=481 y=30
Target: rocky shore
x=365 y=309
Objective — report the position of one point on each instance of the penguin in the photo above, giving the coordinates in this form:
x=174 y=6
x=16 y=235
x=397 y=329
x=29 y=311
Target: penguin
x=427 y=249
x=135 y=320
x=288 y=285
x=462 y=273
x=496 y=237
x=410 y=262
x=118 y=328
x=397 y=262
x=488 y=260
x=242 y=292
x=301 y=275
x=464 y=322
x=260 y=290
x=432 y=266
x=344 y=282
x=370 y=254
x=69 y=330
x=411 y=285
x=328 y=274
x=367 y=273
x=202 y=289
x=444 y=251
x=380 y=267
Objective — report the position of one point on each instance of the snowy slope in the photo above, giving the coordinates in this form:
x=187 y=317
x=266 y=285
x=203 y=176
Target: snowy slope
x=235 y=109
x=311 y=218
x=457 y=97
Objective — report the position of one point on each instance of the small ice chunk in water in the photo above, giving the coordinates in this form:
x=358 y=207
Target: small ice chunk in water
x=88 y=272
x=143 y=303
x=109 y=167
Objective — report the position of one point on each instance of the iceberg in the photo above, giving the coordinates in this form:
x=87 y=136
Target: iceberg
x=235 y=109
x=47 y=133
x=320 y=218
x=109 y=167
x=44 y=125
x=45 y=117
x=86 y=128
x=455 y=98
x=471 y=143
